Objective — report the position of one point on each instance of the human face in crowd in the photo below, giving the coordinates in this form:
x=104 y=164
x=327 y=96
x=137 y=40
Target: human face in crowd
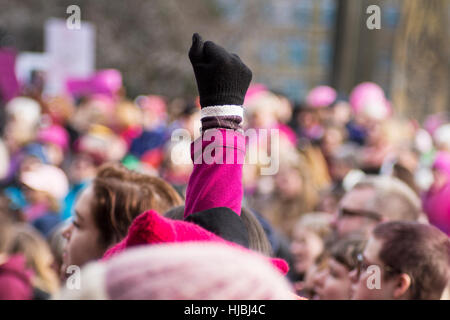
x=333 y=282
x=349 y=219
x=289 y=182
x=82 y=234
x=394 y=287
x=306 y=246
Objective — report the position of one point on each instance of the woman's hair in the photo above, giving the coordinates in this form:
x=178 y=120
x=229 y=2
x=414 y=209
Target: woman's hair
x=257 y=237
x=5 y=234
x=29 y=242
x=120 y=195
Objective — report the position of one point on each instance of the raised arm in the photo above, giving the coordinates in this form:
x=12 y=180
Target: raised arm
x=218 y=155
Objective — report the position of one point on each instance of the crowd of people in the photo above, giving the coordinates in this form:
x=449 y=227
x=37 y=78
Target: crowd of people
x=357 y=208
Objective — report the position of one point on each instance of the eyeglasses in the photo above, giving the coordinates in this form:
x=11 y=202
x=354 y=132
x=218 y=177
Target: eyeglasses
x=362 y=265
x=359 y=213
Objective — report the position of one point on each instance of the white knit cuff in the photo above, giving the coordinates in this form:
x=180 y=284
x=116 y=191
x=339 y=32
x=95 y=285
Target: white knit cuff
x=221 y=111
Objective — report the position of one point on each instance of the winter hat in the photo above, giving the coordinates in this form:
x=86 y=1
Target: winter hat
x=442 y=162
x=253 y=91
x=442 y=136
x=368 y=98
x=107 y=82
x=183 y=271
x=48 y=179
x=152 y=228
x=434 y=121
x=264 y=102
x=54 y=134
x=27 y=110
x=321 y=97
x=223 y=222
x=148 y=140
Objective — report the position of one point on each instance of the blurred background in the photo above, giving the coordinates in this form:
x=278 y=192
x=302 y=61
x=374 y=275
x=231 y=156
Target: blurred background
x=347 y=102
x=291 y=45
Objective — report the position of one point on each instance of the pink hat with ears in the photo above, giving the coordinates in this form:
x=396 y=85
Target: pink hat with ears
x=369 y=98
x=152 y=228
x=442 y=162
x=321 y=97
x=54 y=134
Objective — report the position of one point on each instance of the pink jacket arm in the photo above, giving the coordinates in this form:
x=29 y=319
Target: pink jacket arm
x=216 y=180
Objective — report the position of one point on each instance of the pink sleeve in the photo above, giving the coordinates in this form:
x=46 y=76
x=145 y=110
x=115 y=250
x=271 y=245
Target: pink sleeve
x=216 y=180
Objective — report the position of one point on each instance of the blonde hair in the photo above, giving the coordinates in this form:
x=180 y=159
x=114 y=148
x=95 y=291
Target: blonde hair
x=317 y=222
x=28 y=242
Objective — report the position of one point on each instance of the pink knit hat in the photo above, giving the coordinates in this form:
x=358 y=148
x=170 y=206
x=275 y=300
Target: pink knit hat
x=442 y=162
x=54 y=134
x=321 y=97
x=152 y=228
x=107 y=82
x=368 y=98
x=183 y=271
x=253 y=91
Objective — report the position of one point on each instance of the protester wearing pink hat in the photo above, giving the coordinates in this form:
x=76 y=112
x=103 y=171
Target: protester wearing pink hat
x=321 y=97
x=56 y=140
x=436 y=201
x=368 y=99
x=107 y=82
x=183 y=271
x=54 y=134
x=45 y=188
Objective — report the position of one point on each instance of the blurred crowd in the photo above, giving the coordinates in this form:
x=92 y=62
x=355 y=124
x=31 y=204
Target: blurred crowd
x=345 y=164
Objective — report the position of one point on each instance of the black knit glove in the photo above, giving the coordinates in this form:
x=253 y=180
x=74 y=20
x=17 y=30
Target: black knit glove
x=222 y=80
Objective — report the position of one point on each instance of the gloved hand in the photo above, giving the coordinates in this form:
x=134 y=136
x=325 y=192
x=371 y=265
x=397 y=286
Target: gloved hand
x=222 y=78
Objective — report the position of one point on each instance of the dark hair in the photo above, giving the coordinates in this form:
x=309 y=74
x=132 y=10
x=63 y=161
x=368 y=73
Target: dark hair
x=257 y=238
x=176 y=213
x=347 y=249
x=120 y=195
x=422 y=251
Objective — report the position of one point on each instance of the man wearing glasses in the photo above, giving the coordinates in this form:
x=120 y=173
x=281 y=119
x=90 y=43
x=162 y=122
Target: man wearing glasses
x=402 y=260
x=373 y=200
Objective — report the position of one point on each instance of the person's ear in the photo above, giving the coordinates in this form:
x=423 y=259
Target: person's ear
x=402 y=286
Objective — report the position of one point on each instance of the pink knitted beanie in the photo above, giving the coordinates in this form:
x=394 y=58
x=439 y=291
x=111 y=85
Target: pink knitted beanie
x=183 y=271
x=152 y=228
